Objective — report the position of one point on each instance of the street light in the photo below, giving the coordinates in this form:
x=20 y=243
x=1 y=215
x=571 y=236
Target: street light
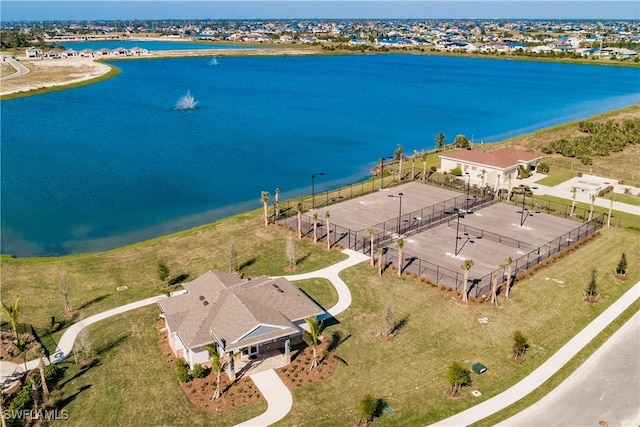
x=466 y=201
x=524 y=217
x=456 y=252
x=399 y=196
x=313 y=188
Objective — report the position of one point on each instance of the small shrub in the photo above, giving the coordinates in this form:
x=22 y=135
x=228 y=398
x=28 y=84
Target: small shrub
x=543 y=168
x=183 y=370
x=198 y=371
x=456 y=171
x=621 y=268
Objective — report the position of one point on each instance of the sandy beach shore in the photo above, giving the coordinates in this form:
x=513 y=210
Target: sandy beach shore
x=47 y=73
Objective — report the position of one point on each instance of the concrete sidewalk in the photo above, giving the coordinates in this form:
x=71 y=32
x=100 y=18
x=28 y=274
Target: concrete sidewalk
x=547 y=369
x=278 y=396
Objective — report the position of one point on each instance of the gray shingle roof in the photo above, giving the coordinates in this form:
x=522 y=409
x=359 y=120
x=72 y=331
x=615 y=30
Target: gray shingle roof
x=233 y=310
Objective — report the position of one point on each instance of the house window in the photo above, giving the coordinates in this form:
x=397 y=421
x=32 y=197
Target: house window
x=473 y=168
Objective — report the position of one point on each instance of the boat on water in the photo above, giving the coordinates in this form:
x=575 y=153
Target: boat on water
x=214 y=61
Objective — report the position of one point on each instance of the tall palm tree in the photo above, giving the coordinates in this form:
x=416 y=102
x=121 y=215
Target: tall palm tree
x=13 y=311
x=424 y=167
x=315 y=228
x=508 y=262
x=277 y=202
x=264 y=198
x=216 y=366
x=497 y=186
x=466 y=266
x=299 y=215
x=381 y=172
x=43 y=379
x=609 y=214
x=327 y=215
x=413 y=168
x=574 y=192
x=593 y=202
x=494 y=288
x=312 y=338
x=371 y=231
x=400 y=244
x=399 y=155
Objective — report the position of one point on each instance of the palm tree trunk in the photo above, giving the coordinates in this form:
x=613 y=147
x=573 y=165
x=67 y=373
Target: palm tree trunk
x=315 y=232
x=328 y=235
x=380 y=262
x=372 y=261
x=43 y=380
x=424 y=171
x=465 y=286
x=299 y=225
x=494 y=290
x=217 y=394
x=266 y=214
x=400 y=262
x=508 y=287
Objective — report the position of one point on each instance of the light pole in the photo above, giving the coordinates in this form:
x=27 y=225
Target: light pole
x=466 y=201
x=456 y=252
x=399 y=196
x=524 y=217
x=313 y=188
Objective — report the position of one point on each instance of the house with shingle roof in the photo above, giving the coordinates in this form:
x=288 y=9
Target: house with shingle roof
x=238 y=315
x=490 y=168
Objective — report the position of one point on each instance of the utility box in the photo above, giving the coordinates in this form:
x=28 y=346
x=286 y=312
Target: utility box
x=479 y=368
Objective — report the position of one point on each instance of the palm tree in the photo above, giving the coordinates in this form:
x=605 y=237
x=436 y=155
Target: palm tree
x=327 y=216
x=400 y=245
x=380 y=252
x=441 y=141
x=573 y=202
x=413 y=168
x=12 y=311
x=264 y=198
x=497 y=186
x=482 y=176
x=593 y=202
x=43 y=379
x=508 y=262
x=315 y=228
x=466 y=266
x=609 y=214
x=424 y=167
x=299 y=215
x=217 y=366
x=312 y=338
x=398 y=155
x=277 y=202
x=494 y=288
x=371 y=231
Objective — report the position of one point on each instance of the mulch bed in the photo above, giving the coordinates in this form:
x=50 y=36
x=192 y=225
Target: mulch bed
x=243 y=391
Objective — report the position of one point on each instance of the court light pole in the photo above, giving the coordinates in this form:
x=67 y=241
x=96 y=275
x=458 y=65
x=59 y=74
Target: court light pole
x=524 y=217
x=398 y=196
x=466 y=200
x=313 y=188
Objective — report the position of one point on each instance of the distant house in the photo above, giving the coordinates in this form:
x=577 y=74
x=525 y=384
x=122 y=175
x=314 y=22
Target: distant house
x=138 y=51
x=493 y=167
x=239 y=315
x=87 y=53
x=33 y=52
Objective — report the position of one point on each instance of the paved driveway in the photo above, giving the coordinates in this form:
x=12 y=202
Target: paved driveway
x=605 y=388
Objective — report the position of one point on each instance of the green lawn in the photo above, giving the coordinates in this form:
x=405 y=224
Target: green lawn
x=320 y=290
x=95 y=277
x=622 y=219
x=132 y=382
x=409 y=371
x=623 y=198
x=557 y=175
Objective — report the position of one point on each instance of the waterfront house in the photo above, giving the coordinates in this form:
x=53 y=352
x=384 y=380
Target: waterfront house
x=491 y=168
x=251 y=316
x=33 y=52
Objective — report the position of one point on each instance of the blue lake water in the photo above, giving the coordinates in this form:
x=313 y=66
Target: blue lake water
x=111 y=163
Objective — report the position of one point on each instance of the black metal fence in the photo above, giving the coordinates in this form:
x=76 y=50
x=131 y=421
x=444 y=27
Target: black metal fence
x=480 y=286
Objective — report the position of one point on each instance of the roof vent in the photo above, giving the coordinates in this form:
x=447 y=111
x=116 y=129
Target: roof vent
x=201 y=297
x=205 y=303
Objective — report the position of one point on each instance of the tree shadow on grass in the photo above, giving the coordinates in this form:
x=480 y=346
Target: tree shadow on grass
x=113 y=344
x=399 y=324
x=179 y=279
x=93 y=301
x=64 y=402
x=336 y=340
x=247 y=263
x=302 y=258
x=83 y=370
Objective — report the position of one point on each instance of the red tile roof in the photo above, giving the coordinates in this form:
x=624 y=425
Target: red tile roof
x=501 y=158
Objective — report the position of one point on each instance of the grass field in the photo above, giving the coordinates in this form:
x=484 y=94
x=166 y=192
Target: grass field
x=132 y=382
x=557 y=176
x=623 y=198
x=622 y=219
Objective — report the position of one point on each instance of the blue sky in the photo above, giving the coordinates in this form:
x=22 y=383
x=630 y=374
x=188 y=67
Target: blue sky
x=37 y=10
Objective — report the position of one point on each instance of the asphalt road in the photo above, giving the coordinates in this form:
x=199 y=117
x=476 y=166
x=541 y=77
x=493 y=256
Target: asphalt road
x=604 y=388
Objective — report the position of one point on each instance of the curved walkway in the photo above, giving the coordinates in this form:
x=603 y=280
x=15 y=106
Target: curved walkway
x=278 y=396
x=21 y=70
x=547 y=369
